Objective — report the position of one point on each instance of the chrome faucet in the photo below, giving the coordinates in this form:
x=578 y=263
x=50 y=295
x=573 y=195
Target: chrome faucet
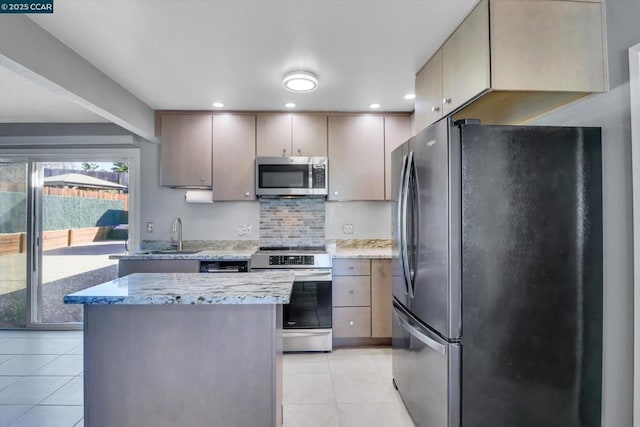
x=176 y=229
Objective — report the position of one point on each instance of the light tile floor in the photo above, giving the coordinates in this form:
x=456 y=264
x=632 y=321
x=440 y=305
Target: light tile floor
x=41 y=384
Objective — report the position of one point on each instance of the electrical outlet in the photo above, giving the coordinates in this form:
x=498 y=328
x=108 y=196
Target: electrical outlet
x=347 y=228
x=243 y=230
x=150 y=227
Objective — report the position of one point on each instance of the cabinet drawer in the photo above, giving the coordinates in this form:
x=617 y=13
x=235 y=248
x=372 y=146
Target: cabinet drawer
x=351 y=291
x=351 y=322
x=351 y=267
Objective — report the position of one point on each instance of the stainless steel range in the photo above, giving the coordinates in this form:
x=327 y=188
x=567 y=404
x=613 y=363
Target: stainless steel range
x=307 y=318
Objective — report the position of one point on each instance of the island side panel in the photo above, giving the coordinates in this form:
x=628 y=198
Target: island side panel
x=195 y=365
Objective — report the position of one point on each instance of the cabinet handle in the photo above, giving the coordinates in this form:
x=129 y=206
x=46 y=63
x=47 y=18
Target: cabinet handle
x=284 y=152
x=299 y=151
x=247 y=194
x=351 y=291
x=202 y=179
x=446 y=100
x=351 y=267
x=435 y=109
x=351 y=323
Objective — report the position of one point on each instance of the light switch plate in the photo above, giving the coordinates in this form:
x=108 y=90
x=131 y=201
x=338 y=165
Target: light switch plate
x=150 y=227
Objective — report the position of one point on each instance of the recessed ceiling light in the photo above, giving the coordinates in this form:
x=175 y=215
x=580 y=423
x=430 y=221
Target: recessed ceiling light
x=218 y=104
x=289 y=105
x=374 y=105
x=300 y=81
x=410 y=96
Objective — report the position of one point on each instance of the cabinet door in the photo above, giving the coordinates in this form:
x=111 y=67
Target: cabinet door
x=381 y=298
x=309 y=135
x=465 y=60
x=273 y=135
x=397 y=130
x=428 y=90
x=351 y=322
x=186 y=150
x=356 y=157
x=558 y=46
x=234 y=153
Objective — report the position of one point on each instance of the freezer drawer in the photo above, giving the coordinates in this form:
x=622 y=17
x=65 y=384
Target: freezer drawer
x=426 y=371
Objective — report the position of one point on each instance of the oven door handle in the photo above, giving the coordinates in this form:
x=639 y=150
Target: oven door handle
x=288 y=333
x=312 y=276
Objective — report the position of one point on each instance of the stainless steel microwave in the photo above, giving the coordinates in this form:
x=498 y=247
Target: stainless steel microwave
x=291 y=176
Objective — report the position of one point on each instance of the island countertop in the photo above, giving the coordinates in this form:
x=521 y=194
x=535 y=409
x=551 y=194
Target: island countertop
x=189 y=288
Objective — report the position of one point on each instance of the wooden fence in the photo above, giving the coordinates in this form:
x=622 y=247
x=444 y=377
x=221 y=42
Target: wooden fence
x=20 y=187
x=89 y=194
x=14 y=243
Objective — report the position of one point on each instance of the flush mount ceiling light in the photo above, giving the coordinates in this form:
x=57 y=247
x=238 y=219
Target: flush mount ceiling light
x=410 y=96
x=290 y=105
x=374 y=106
x=300 y=81
x=218 y=104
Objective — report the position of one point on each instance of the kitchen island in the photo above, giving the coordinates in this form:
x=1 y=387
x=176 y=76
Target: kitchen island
x=184 y=349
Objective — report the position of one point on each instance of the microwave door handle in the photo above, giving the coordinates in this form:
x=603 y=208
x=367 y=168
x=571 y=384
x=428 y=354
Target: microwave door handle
x=400 y=220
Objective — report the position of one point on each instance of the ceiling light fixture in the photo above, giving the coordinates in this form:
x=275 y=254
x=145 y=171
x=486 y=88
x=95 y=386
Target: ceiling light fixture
x=218 y=104
x=290 y=105
x=410 y=96
x=300 y=81
x=374 y=105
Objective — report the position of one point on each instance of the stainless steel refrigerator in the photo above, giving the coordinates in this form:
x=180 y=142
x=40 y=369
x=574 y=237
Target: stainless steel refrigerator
x=497 y=286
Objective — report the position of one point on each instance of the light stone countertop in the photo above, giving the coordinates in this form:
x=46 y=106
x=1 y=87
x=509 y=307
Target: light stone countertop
x=204 y=255
x=190 y=288
x=372 y=253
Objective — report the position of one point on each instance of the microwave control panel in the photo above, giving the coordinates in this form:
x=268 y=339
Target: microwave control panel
x=319 y=176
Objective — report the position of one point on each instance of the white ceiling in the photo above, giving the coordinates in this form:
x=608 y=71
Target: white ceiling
x=188 y=54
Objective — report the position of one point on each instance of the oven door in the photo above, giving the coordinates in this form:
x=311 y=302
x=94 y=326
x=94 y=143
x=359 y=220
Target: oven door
x=310 y=303
x=307 y=318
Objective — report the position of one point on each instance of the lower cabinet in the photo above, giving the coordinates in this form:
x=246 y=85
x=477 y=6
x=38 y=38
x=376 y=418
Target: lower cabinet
x=361 y=298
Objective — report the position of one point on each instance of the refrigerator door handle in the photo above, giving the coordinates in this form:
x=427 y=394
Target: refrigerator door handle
x=404 y=323
x=401 y=221
x=404 y=249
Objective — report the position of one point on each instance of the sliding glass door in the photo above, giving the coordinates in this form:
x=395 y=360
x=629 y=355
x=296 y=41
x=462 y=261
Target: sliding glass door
x=14 y=295
x=59 y=223
x=82 y=210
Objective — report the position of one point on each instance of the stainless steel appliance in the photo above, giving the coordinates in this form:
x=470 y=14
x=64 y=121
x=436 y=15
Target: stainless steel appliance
x=497 y=287
x=307 y=319
x=225 y=266
x=291 y=176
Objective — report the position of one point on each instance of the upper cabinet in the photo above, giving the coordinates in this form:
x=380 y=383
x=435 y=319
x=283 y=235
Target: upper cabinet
x=465 y=60
x=356 y=157
x=510 y=61
x=397 y=129
x=185 y=150
x=209 y=151
x=428 y=90
x=285 y=134
x=234 y=153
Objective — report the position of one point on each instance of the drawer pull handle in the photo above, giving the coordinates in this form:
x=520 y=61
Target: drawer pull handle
x=351 y=291
x=351 y=323
x=351 y=267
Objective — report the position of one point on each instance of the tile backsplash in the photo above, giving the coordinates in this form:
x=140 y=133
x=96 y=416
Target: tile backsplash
x=292 y=222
